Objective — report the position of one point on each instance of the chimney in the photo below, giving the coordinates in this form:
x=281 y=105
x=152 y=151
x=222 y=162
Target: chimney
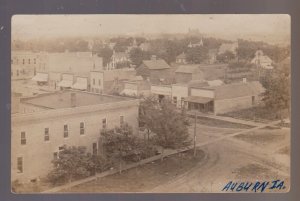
x=244 y=80
x=153 y=57
x=73 y=99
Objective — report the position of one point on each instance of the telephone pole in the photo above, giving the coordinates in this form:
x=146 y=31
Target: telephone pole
x=195 y=127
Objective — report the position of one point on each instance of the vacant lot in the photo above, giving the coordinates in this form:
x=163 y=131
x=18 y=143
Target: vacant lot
x=258 y=113
x=219 y=123
x=269 y=138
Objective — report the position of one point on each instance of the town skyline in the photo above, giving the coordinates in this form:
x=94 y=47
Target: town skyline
x=269 y=28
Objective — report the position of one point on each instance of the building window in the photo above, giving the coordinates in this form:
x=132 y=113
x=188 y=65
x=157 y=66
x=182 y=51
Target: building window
x=23 y=61
x=17 y=72
x=81 y=128
x=175 y=100
x=104 y=123
x=182 y=101
x=253 y=100
x=20 y=164
x=28 y=61
x=95 y=148
x=121 y=120
x=23 y=138
x=46 y=134
x=94 y=81
x=66 y=131
x=99 y=82
x=34 y=61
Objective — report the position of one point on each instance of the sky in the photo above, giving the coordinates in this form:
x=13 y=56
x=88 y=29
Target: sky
x=32 y=26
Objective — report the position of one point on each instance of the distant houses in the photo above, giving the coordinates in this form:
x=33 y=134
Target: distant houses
x=262 y=60
x=155 y=70
x=181 y=59
x=231 y=47
x=198 y=44
x=118 y=58
x=186 y=73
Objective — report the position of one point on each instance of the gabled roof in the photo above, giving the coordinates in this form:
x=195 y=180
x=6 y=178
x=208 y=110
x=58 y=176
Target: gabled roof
x=156 y=64
x=188 y=69
x=181 y=56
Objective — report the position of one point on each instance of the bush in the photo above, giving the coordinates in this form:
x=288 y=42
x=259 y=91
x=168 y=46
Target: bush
x=74 y=163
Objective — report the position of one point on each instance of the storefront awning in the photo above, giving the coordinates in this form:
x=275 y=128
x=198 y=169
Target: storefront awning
x=40 y=77
x=81 y=84
x=198 y=99
x=65 y=83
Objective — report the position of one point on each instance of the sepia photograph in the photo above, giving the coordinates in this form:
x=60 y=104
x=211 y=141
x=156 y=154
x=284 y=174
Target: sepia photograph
x=156 y=103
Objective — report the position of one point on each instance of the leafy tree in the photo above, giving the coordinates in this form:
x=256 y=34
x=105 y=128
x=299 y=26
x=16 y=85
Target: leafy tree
x=197 y=54
x=121 y=145
x=169 y=126
x=106 y=54
x=226 y=57
x=72 y=163
x=147 y=112
x=277 y=96
x=137 y=56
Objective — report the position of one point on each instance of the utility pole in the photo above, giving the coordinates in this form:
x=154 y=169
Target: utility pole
x=195 y=127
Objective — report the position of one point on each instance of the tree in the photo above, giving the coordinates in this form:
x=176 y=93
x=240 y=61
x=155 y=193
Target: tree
x=147 y=112
x=71 y=163
x=277 y=96
x=121 y=145
x=137 y=56
x=226 y=57
x=169 y=126
x=106 y=54
x=197 y=54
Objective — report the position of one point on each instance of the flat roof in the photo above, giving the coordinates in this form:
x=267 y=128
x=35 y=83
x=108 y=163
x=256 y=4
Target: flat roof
x=60 y=100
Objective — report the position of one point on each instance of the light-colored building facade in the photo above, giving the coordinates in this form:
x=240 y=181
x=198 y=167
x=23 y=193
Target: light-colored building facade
x=187 y=73
x=262 y=61
x=105 y=81
x=24 y=64
x=47 y=122
x=224 y=98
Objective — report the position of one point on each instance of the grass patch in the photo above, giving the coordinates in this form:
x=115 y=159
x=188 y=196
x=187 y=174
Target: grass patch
x=145 y=177
x=262 y=136
x=219 y=123
x=258 y=114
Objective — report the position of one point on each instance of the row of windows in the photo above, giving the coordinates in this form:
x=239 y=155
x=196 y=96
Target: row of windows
x=94 y=82
x=23 y=61
x=66 y=130
x=175 y=100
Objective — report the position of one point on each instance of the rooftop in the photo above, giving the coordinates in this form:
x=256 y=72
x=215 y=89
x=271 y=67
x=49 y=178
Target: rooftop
x=68 y=99
x=240 y=89
x=156 y=64
x=188 y=69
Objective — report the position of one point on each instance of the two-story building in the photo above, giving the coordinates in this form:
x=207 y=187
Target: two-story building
x=46 y=122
